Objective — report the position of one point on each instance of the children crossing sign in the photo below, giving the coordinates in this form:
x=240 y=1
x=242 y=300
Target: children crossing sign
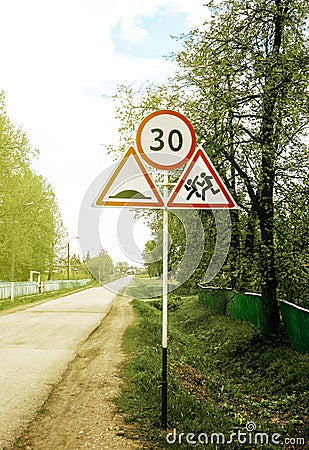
x=200 y=186
x=166 y=141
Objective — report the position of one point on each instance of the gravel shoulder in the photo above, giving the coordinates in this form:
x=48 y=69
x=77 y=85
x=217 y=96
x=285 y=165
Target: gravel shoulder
x=80 y=412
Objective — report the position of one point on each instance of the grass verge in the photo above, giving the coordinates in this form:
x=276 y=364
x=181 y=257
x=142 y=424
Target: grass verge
x=222 y=376
x=20 y=302
x=146 y=288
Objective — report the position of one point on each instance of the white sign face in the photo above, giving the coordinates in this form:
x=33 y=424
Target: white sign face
x=165 y=139
x=130 y=186
x=200 y=186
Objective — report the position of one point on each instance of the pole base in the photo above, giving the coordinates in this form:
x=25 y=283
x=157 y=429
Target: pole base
x=164 y=388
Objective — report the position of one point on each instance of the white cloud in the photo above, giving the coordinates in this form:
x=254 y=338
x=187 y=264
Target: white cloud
x=131 y=31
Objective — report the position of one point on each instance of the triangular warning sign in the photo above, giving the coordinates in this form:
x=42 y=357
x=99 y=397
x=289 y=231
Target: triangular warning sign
x=130 y=185
x=200 y=186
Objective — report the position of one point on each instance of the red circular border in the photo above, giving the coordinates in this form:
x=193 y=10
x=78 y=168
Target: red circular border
x=140 y=148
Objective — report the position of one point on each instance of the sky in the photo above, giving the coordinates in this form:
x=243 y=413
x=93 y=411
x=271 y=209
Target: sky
x=62 y=60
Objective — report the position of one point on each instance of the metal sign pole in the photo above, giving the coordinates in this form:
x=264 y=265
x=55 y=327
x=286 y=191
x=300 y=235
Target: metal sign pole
x=164 y=305
x=166 y=141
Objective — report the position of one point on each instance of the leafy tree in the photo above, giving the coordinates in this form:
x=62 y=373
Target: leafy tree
x=249 y=70
x=122 y=266
x=153 y=258
x=101 y=266
x=243 y=83
x=30 y=223
x=292 y=236
x=78 y=269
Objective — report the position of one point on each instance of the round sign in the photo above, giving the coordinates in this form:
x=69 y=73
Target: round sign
x=165 y=139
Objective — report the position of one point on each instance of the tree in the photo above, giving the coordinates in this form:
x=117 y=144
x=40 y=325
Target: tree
x=243 y=83
x=292 y=236
x=101 y=266
x=122 y=266
x=78 y=268
x=249 y=71
x=30 y=223
x=152 y=255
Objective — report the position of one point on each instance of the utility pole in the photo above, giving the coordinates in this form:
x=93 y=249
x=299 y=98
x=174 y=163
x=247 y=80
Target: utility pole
x=68 y=256
x=12 y=261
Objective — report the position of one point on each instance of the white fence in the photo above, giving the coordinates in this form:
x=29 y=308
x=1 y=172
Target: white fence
x=57 y=285
x=18 y=289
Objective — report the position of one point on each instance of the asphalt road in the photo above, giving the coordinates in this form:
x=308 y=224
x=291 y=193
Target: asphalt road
x=36 y=346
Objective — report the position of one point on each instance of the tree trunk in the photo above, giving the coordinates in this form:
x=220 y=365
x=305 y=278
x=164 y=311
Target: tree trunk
x=270 y=309
x=235 y=251
x=248 y=252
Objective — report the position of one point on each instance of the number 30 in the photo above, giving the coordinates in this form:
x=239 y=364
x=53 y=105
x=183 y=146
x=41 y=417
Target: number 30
x=170 y=140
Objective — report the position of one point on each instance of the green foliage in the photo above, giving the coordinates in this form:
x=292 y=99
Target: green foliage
x=153 y=257
x=249 y=71
x=292 y=233
x=31 y=229
x=243 y=83
x=101 y=266
x=147 y=288
x=222 y=375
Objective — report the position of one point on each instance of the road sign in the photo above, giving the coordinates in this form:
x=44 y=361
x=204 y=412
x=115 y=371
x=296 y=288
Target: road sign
x=200 y=186
x=166 y=139
x=130 y=185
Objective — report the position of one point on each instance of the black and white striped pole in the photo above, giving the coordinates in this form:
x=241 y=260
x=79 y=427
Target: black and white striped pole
x=164 y=304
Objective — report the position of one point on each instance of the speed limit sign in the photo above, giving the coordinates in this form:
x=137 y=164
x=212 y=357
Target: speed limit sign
x=166 y=139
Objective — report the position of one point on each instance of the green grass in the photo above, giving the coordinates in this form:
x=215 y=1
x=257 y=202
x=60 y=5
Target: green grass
x=146 y=288
x=222 y=375
x=7 y=304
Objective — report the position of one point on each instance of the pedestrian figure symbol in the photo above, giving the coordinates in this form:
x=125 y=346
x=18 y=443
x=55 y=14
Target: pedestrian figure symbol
x=200 y=185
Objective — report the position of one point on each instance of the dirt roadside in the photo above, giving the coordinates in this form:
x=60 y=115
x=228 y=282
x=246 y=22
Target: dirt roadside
x=80 y=412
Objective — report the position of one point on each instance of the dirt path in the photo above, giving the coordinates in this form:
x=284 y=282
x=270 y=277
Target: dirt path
x=80 y=412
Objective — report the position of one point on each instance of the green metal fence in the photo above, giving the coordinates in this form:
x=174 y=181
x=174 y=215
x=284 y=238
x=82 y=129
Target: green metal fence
x=296 y=322
x=245 y=306
x=214 y=298
x=248 y=307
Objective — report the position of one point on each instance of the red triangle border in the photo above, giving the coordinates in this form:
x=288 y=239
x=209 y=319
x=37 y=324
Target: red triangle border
x=230 y=202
